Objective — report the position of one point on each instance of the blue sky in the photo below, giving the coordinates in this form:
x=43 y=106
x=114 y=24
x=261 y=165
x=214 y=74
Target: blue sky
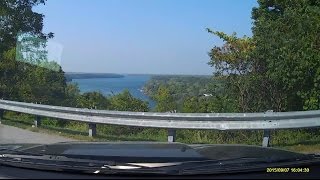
x=142 y=36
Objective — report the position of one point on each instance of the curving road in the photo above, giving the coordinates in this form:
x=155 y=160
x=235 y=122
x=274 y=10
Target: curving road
x=9 y=134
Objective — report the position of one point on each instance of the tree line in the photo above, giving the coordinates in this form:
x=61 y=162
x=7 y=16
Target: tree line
x=190 y=94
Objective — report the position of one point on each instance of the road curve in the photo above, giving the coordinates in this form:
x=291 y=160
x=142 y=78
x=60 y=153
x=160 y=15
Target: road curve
x=9 y=134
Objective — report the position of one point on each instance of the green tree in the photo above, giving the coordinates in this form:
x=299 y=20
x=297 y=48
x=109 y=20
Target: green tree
x=126 y=102
x=72 y=95
x=286 y=34
x=93 y=100
x=43 y=86
x=278 y=68
x=9 y=76
x=17 y=16
x=236 y=67
x=190 y=105
x=21 y=30
x=165 y=100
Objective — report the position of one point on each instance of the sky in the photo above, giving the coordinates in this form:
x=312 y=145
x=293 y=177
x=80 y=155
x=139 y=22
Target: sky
x=141 y=36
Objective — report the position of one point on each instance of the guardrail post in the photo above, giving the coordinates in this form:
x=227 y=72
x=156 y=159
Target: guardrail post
x=92 y=129
x=172 y=132
x=37 y=121
x=1 y=114
x=171 y=135
x=266 y=138
x=266 y=133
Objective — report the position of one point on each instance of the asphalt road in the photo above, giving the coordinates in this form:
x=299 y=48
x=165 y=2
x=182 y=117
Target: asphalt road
x=9 y=134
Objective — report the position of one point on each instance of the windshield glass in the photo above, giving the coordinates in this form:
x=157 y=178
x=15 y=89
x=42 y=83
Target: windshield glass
x=157 y=71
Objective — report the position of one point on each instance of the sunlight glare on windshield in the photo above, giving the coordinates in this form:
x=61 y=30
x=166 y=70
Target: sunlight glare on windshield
x=38 y=51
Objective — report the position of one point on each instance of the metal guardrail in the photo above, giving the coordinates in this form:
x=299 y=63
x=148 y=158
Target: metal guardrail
x=172 y=121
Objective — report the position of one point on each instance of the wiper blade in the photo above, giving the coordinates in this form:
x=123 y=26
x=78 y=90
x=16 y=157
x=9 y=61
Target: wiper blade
x=8 y=147
x=13 y=149
x=22 y=156
x=64 y=163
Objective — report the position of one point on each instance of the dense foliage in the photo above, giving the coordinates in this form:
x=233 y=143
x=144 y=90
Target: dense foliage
x=21 y=80
x=203 y=94
x=278 y=68
x=287 y=38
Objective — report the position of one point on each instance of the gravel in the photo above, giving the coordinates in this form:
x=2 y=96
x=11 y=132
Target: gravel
x=9 y=134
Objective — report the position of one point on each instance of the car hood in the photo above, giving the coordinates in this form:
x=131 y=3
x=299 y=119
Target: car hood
x=155 y=151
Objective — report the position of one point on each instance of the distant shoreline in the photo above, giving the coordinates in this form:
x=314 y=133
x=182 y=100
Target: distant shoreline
x=70 y=76
x=80 y=75
x=139 y=74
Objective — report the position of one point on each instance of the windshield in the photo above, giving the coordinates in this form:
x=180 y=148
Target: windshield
x=182 y=73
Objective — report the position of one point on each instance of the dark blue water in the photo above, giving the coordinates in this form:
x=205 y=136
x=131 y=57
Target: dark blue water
x=110 y=86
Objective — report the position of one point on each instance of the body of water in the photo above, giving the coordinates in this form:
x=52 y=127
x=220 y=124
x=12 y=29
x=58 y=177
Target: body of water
x=110 y=86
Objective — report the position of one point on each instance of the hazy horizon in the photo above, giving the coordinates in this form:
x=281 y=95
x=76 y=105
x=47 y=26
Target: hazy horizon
x=138 y=73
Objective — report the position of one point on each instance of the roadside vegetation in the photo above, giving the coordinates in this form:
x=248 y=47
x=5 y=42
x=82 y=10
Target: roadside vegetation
x=306 y=141
x=278 y=69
